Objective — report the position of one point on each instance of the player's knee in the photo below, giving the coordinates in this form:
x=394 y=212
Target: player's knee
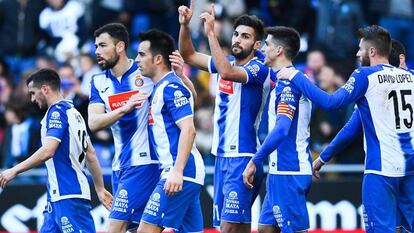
x=227 y=227
x=117 y=227
x=268 y=229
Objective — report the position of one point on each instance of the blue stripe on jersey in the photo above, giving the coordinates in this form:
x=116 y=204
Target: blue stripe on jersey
x=222 y=121
x=373 y=153
x=250 y=103
x=288 y=157
x=68 y=180
x=152 y=150
x=173 y=138
x=405 y=143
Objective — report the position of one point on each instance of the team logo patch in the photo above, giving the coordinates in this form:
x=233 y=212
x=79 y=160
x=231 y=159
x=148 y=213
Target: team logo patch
x=233 y=195
x=180 y=99
x=64 y=220
x=123 y=193
x=156 y=197
x=55 y=115
x=139 y=82
x=226 y=87
x=66 y=225
x=118 y=100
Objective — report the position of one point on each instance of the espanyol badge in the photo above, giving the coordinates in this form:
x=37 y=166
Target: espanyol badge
x=139 y=82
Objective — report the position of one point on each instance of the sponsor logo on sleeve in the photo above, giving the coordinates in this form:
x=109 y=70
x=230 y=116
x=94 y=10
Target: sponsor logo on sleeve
x=254 y=69
x=55 y=121
x=350 y=85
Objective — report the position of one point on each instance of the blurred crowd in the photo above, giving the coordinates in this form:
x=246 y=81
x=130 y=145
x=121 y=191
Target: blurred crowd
x=58 y=34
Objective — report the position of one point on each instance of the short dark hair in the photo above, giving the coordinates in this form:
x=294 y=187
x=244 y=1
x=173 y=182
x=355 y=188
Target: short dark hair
x=251 y=21
x=287 y=37
x=45 y=77
x=116 y=30
x=397 y=48
x=379 y=37
x=160 y=43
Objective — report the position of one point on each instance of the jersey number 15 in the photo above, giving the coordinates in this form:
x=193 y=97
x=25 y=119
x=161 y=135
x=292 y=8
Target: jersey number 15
x=405 y=106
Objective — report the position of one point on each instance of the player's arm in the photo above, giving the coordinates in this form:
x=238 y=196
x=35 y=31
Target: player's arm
x=93 y=166
x=223 y=66
x=350 y=92
x=177 y=64
x=40 y=156
x=345 y=136
x=177 y=100
x=185 y=44
x=99 y=119
x=174 y=183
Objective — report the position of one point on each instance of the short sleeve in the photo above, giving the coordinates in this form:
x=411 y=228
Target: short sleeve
x=256 y=72
x=94 y=96
x=212 y=67
x=178 y=101
x=56 y=122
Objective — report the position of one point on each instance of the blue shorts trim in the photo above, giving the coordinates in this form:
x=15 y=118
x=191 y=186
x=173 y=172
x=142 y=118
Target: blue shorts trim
x=181 y=212
x=232 y=200
x=285 y=202
x=132 y=188
x=69 y=215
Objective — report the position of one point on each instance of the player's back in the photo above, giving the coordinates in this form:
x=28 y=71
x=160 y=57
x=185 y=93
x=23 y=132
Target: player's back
x=66 y=178
x=293 y=154
x=387 y=116
x=130 y=132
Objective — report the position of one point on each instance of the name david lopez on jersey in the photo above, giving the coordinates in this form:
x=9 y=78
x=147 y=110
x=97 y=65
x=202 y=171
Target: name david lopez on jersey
x=120 y=99
x=400 y=78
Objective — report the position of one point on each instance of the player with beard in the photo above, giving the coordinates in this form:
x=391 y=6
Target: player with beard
x=384 y=97
x=115 y=101
x=239 y=94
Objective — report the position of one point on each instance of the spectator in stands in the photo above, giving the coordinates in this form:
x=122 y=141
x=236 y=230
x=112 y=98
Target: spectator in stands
x=21 y=136
x=63 y=21
x=315 y=60
x=70 y=87
x=88 y=68
x=20 y=33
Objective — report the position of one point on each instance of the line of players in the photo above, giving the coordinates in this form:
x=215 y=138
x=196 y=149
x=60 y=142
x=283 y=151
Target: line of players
x=158 y=172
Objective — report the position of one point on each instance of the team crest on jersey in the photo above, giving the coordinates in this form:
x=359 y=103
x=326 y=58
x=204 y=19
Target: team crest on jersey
x=118 y=100
x=180 y=99
x=55 y=115
x=226 y=87
x=139 y=82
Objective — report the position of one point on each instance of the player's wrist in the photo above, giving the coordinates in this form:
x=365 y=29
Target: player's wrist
x=320 y=159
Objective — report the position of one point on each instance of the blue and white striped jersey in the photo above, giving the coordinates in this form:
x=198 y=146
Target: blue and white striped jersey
x=236 y=111
x=292 y=156
x=130 y=132
x=172 y=102
x=385 y=96
x=65 y=175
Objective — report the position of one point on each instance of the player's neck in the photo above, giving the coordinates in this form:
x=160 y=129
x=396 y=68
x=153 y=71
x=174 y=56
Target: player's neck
x=121 y=67
x=53 y=99
x=280 y=64
x=379 y=60
x=241 y=62
x=160 y=74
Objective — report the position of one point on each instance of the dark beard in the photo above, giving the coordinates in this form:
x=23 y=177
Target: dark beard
x=110 y=63
x=365 y=61
x=243 y=54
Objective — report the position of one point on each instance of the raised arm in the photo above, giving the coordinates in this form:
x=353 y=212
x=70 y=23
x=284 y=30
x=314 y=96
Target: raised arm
x=223 y=66
x=177 y=63
x=185 y=44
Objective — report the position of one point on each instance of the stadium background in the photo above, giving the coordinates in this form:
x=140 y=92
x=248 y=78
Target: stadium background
x=65 y=42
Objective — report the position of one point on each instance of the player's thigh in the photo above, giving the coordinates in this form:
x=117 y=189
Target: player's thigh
x=73 y=215
x=135 y=186
x=169 y=211
x=405 y=200
x=379 y=202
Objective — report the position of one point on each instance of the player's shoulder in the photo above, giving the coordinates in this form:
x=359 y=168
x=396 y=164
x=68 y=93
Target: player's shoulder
x=99 y=76
x=58 y=110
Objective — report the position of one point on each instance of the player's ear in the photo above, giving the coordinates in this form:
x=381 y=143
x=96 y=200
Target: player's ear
x=402 y=59
x=158 y=59
x=279 y=50
x=120 y=46
x=372 y=51
x=257 y=45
